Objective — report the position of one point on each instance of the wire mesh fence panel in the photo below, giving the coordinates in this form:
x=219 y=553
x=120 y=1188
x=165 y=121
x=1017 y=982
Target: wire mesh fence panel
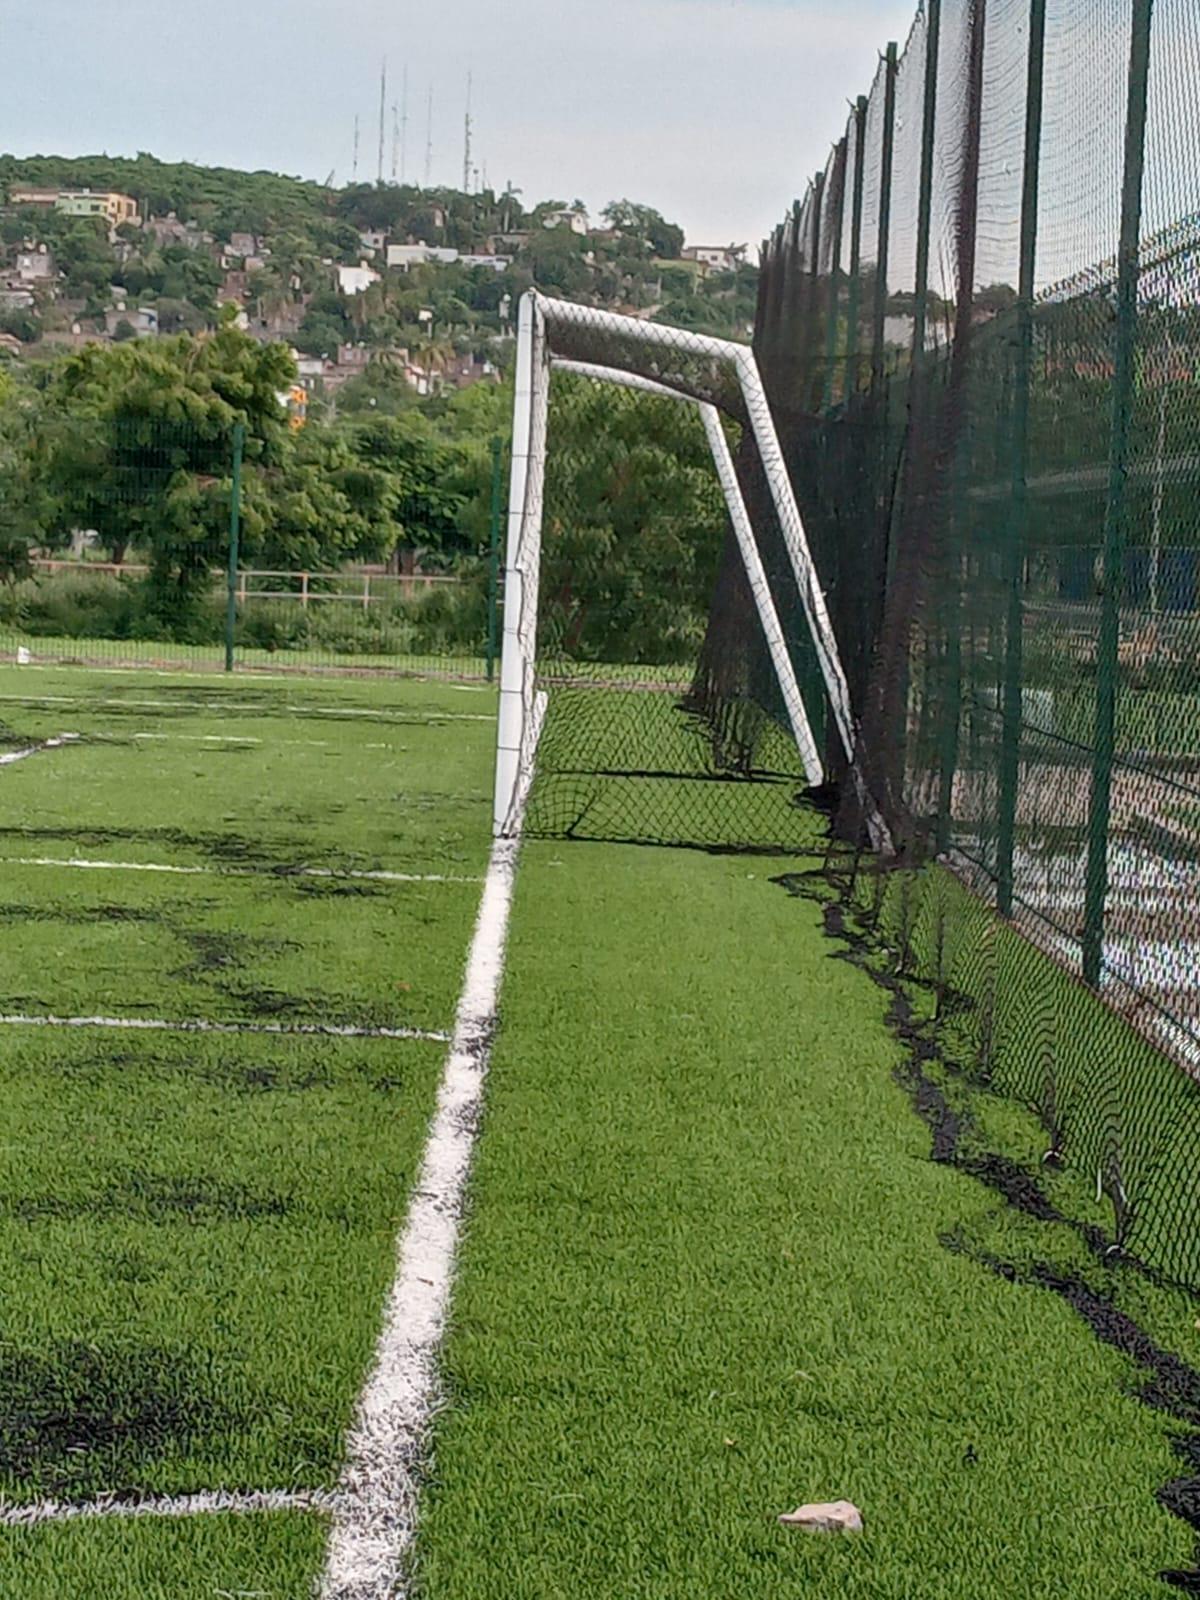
x=120 y=541
x=155 y=541
x=1004 y=519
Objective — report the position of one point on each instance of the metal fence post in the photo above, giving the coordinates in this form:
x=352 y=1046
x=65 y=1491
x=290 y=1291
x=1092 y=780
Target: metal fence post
x=933 y=24
x=835 y=273
x=494 y=559
x=235 y=529
x=1012 y=704
x=850 y=383
x=885 y=216
x=1096 y=893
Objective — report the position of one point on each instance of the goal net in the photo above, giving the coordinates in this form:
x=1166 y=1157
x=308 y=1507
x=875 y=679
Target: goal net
x=669 y=674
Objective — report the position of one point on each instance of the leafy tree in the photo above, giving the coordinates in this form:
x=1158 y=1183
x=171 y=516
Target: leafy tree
x=136 y=444
x=646 y=225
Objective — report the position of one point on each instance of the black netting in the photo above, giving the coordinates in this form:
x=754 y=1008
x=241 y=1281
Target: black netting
x=639 y=742
x=1002 y=509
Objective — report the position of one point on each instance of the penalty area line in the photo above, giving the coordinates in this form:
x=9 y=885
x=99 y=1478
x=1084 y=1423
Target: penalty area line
x=210 y=1503
x=57 y=743
x=282 y=874
x=316 y=1030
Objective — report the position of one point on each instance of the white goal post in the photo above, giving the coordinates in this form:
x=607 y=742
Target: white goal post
x=544 y=342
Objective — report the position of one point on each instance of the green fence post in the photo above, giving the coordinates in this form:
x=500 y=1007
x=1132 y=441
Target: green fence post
x=885 y=216
x=494 y=558
x=1012 y=704
x=1096 y=892
x=235 y=529
x=850 y=383
x=933 y=24
x=835 y=273
x=812 y=332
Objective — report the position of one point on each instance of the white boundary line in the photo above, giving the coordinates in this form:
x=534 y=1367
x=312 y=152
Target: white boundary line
x=374 y=1525
x=320 y=1030
x=184 y=1505
x=426 y=719
x=10 y=756
x=278 y=873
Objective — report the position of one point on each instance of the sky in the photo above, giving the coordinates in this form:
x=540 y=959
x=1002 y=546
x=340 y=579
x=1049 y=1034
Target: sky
x=717 y=112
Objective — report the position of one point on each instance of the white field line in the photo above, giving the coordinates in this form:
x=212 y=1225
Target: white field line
x=284 y=874
x=7 y=759
x=184 y=1505
x=423 y=719
x=321 y=1030
x=373 y=1527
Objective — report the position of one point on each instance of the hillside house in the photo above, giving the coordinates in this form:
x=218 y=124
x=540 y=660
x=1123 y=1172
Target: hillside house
x=113 y=208
x=715 y=257
x=403 y=256
x=573 y=217
x=35 y=266
x=356 y=280
x=142 y=319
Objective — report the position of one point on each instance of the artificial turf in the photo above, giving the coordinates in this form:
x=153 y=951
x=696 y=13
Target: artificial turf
x=197 y=1231
x=711 y=1271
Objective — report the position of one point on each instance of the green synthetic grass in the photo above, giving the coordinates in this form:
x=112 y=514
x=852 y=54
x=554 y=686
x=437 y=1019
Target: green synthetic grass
x=265 y=1557
x=197 y=1232
x=702 y=1282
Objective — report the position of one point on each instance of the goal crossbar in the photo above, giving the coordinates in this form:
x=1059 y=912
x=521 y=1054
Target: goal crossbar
x=540 y=320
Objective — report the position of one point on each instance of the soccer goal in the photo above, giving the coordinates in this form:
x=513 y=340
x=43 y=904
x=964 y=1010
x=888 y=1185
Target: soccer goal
x=669 y=672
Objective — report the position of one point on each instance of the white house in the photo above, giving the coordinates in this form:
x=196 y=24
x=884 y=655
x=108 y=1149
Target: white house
x=716 y=257
x=373 y=239
x=497 y=263
x=419 y=255
x=573 y=217
x=356 y=280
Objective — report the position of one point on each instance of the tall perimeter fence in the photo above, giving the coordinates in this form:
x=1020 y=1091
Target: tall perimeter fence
x=980 y=332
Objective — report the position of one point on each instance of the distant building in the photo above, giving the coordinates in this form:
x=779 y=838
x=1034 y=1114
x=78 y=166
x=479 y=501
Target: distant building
x=142 y=319
x=373 y=239
x=113 y=208
x=35 y=266
x=243 y=244
x=169 y=230
x=10 y=345
x=16 y=297
x=356 y=280
x=419 y=255
x=573 y=217
x=496 y=263
x=23 y=195
x=716 y=257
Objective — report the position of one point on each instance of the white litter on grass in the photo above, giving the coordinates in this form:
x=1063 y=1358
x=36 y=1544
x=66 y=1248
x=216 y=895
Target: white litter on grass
x=829 y=1516
x=9 y=756
x=374 y=1525
x=319 y=1030
x=335 y=873
x=214 y=1502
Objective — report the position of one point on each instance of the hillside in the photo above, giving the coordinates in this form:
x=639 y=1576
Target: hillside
x=429 y=276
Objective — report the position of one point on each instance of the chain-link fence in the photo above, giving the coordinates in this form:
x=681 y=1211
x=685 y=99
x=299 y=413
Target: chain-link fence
x=171 y=543
x=979 y=333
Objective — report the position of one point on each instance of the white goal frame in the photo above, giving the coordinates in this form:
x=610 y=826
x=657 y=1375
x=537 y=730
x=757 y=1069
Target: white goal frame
x=521 y=709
